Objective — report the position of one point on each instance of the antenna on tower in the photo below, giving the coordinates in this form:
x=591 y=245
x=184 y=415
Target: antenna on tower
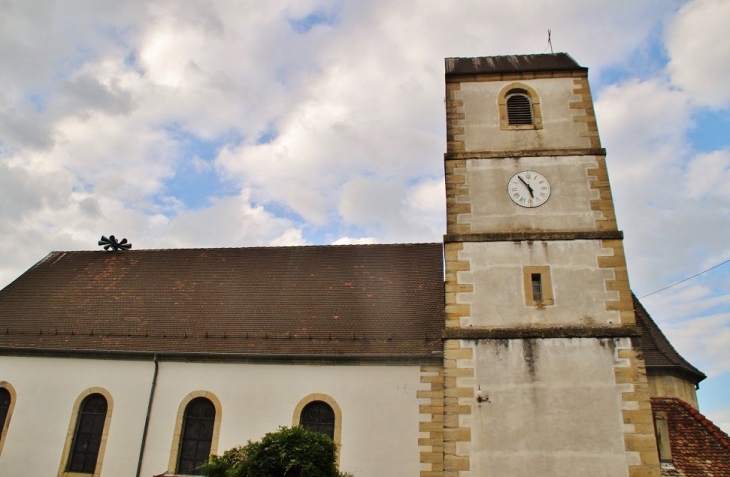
x=550 y=42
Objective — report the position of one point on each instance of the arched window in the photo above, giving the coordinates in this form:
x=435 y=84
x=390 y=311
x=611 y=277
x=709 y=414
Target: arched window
x=5 y=401
x=318 y=416
x=320 y=413
x=519 y=107
x=196 y=436
x=4 y=406
x=88 y=434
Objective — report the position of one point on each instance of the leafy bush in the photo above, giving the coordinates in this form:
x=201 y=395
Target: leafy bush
x=288 y=452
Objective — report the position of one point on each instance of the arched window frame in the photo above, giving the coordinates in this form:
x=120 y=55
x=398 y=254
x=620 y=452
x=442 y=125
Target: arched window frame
x=534 y=102
x=296 y=418
x=6 y=425
x=180 y=419
x=62 y=472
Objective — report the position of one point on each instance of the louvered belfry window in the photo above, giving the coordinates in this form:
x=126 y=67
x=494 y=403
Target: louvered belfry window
x=197 y=436
x=519 y=108
x=318 y=416
x=87 y=436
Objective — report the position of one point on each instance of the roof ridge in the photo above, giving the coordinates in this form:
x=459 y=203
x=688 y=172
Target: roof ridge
x=248 y=247
x=381 y=299
x=722 y=437
x=510 y=56
x=534 y=62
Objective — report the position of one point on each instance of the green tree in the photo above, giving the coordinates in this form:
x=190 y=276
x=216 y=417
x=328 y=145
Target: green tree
x=288 y=452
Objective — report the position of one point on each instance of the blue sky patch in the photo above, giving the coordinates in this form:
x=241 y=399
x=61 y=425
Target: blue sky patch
x=713 y=392
x=710 y=132
x=281 y=211
x=130 y=61
x=327 y=234
x=194 y=186
x=648 y=61
x=38 y=102
x=304 y=24
x=268 y=135
x=196 y=180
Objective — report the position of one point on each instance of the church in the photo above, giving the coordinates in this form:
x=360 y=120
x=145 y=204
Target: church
x=513 y=348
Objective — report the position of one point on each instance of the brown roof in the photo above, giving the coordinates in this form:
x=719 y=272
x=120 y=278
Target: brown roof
x=512 y=64
x=659 y=355
x=333 y=301
x=699 y=447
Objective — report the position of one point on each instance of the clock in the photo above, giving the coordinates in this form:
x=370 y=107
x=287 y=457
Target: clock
x=528 y=189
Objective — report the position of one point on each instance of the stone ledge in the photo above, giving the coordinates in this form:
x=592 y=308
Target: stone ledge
x=456 y=78
x=541 y=332
x=454 y=156
x=435 y=359
x=535 y=236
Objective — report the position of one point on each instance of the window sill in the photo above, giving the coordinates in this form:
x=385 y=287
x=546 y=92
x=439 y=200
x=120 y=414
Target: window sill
x=517 y=127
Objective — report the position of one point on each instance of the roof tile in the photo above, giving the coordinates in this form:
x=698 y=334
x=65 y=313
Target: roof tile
x=659 y=354
x=699 y=447
x=511 y=64
x=364 y=300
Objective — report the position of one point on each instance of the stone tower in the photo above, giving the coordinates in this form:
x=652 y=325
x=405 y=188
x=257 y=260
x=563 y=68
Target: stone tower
x=543 y=372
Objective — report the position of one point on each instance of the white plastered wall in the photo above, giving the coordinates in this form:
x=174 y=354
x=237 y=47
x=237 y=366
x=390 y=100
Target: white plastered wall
x=482 y=130
x=568 y=208
x=46 y=390
x=554 y=409
x=498 y=300
x=379 y=407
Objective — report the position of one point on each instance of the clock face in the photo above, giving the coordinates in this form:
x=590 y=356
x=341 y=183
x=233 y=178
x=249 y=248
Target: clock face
x=528 y=189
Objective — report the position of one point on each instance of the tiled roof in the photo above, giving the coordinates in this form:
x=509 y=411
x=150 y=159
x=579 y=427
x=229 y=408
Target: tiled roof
x=364 y=300
x=659 y=355
x=699 y=447
x=511 y=64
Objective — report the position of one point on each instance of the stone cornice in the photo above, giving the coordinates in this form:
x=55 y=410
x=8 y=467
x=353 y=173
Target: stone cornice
x=535 y=236
x=453 y=156
x=436 y=357
x=541 y=332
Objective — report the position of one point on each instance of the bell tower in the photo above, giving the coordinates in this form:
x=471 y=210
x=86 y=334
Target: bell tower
x=542 y=368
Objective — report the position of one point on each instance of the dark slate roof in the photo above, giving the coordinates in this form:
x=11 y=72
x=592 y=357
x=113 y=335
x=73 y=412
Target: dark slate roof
x=659 y=355
x=341 y=301
x=512 y=64
x=699 y=447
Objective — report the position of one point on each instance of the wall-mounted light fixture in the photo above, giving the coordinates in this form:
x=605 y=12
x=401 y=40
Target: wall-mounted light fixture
x=481 y=395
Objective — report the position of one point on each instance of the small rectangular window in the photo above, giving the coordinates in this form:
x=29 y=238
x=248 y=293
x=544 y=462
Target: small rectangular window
x=538 y=286
x=661 y=428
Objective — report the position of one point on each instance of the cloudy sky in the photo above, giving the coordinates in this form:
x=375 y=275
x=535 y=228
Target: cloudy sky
x=230 y=123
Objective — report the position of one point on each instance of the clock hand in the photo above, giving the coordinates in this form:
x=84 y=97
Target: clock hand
x=528 y=186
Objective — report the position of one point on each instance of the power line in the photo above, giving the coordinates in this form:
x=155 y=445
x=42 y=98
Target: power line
x=688 y=278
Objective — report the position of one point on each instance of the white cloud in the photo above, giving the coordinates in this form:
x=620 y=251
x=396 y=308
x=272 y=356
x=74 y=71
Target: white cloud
x=355 y=241
x=672 y=201
x=426 y=205
x=289 y=237
x=674 y=206
x=721 y=418
x=708 y=177
x=228 y=222
x=369 y=202
x=698 y=48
